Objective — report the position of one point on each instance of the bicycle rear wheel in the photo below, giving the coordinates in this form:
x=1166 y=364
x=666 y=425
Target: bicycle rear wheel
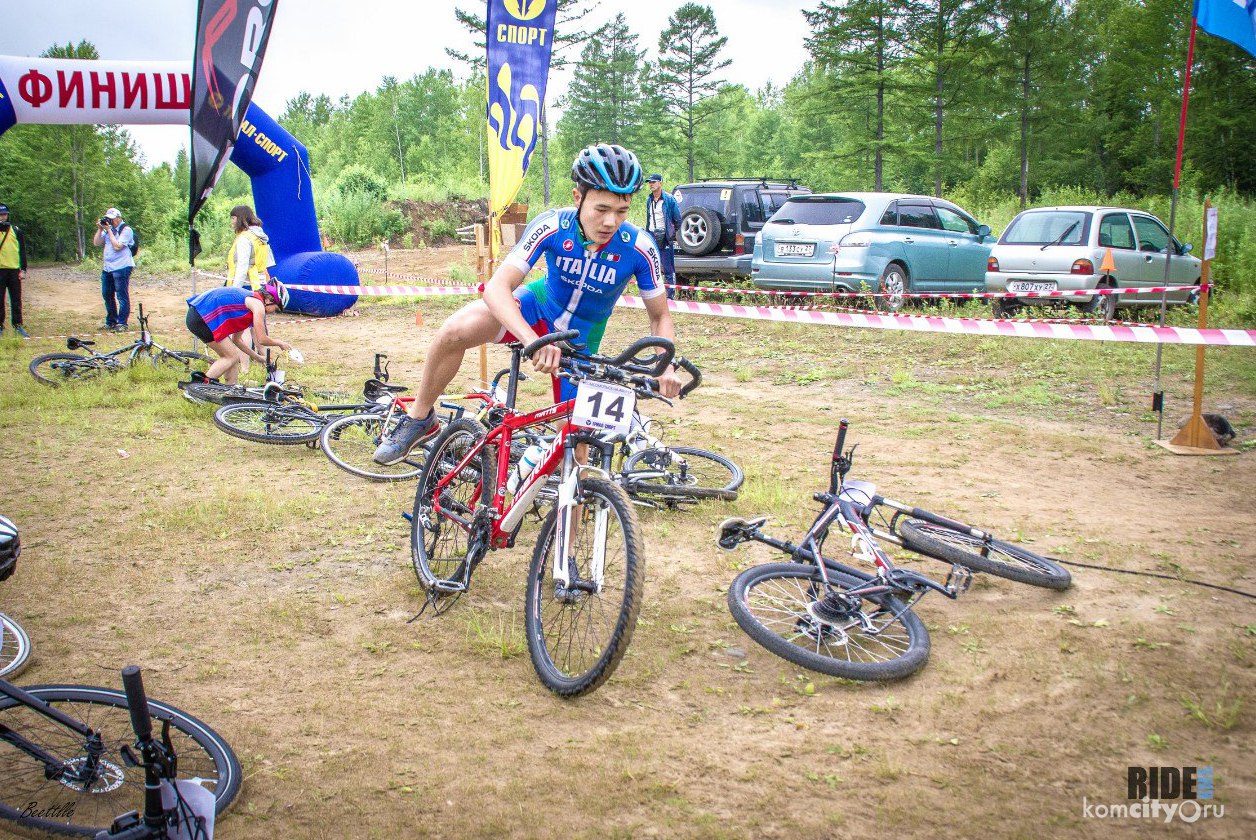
x=686 y=473
x=83 y=808
x=179 y=361
x=999 y=558
x=57 y=369
x=269 y=423
x=350 y=442
x=786 y=608
x=214 y=392
x=15 y=647
x=577 y=635
x=439 y=541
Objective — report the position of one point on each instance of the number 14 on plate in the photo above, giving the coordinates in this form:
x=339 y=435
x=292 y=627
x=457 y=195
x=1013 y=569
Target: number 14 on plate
x=601 y=405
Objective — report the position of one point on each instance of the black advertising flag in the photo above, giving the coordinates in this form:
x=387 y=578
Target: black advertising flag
x=231 y=38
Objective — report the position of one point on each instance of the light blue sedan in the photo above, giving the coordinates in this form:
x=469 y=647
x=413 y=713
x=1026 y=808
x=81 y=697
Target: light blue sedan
x=871 y=242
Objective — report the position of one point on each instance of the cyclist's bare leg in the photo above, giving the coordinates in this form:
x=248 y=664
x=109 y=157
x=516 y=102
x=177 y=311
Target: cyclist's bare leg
x=227 y=367
x=470 y=326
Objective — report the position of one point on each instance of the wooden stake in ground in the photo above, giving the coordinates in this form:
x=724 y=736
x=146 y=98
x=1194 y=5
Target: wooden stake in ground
x=1196 y=438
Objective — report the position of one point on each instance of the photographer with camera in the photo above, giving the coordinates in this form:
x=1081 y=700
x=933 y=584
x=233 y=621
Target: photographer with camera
x=662 y=218
x=12 y=270
x=117 y=240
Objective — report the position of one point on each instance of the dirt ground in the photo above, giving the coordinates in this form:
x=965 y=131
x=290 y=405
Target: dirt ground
x=271 y=595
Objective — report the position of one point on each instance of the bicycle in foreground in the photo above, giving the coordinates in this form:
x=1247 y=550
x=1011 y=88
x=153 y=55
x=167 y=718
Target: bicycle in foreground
x=587 y=574
x=56 y=369
x=845 y=621
x=83 y=761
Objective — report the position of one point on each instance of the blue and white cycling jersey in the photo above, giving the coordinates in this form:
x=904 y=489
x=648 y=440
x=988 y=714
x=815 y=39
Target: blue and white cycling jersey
x=584 y=281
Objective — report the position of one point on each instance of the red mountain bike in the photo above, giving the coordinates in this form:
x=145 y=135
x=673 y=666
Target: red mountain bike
x=587 y=573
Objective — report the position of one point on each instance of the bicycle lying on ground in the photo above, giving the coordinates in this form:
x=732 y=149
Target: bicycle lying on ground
x=15 y=645
x=841 y=620
x=58 y=368
x=587 y=574
x=83 y=761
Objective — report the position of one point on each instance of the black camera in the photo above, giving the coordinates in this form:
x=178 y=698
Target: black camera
x=104 y=220
x=4 y=225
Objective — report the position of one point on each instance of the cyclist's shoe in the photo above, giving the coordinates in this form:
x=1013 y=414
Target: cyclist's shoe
x=21 y=331
x=405 y=436
x=120 y=328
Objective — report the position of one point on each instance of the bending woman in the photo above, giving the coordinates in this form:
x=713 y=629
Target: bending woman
x=219 y=318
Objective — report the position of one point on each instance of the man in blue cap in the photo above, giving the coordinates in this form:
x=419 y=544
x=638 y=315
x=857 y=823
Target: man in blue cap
x=662 y=217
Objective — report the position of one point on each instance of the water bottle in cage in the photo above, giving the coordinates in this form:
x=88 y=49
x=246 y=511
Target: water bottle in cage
x=527 y=463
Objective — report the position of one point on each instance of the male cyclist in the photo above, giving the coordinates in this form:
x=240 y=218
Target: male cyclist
x=593 y=252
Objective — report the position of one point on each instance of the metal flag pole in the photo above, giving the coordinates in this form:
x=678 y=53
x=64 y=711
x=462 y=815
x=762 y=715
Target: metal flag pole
x=1157 y=399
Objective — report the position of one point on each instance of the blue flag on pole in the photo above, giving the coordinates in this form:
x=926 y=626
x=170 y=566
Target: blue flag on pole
x=519 y=36
x=1234 y=20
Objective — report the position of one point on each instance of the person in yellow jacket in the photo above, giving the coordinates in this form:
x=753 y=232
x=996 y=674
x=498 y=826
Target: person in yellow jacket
x=250 y=258
x=12 y=270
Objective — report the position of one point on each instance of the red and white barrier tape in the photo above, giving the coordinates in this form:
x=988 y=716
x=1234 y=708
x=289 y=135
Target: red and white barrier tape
x=388 y=291
x=966 y=326
x=955 y=295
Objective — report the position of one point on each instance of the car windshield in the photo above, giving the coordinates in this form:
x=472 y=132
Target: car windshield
x=1048 y=227
x=812 y=210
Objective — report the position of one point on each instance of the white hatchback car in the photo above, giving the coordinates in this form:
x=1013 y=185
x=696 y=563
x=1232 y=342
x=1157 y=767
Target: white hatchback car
x=1051 y=249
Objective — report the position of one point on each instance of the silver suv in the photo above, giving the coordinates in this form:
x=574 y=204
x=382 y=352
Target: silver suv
x=1051 y=249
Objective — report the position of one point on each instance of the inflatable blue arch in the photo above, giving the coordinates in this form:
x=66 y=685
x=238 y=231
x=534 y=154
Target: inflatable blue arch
x=73 y=91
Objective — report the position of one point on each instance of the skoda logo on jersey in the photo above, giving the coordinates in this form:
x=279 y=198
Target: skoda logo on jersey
x=624 y=235
x=564 y=223
x=568 y=244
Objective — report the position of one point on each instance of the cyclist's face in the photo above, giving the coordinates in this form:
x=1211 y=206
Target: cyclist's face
x=601 y=213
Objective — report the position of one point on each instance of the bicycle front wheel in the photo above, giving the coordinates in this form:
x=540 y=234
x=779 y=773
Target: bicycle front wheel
x=57 y=369
x=180 y=361
x=76 y=802
x=786 y=608
x=269 y=423
x=682 y=472
x=998 y=558
x=15 y=647
x=350 y=442
x=439 y=541
x=578 y=632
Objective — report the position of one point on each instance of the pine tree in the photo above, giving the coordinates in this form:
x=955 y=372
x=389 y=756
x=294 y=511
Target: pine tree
x=689 y=62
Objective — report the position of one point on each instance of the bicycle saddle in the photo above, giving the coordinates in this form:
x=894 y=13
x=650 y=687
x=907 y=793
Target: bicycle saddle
x=73 y=343
x=736 y=530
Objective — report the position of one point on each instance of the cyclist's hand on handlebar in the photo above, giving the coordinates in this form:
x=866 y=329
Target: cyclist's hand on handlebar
x=547 y=359
x=669 y=384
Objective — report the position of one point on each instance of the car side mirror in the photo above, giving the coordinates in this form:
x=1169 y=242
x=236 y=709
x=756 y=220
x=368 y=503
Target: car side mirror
x=982 y=232
x=1186 y=248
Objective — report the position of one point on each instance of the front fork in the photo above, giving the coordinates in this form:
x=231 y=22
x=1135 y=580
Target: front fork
x=569 y=510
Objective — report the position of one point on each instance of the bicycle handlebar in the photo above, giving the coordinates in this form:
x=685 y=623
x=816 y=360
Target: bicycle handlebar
x=137 y=702
x=547 y=340
x=694 y=374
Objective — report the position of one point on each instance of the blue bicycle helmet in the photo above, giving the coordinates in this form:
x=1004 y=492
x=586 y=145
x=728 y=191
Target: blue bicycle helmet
x=608 y=167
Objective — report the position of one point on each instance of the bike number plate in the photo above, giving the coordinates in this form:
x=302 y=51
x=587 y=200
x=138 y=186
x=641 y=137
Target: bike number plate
x=601 y=405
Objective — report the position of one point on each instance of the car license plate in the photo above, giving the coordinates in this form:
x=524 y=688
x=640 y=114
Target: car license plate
x=795 y=249
x=1026 y=286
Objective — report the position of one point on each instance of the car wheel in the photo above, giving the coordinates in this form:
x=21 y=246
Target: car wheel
x=896 y=285
x=1102 y=307
x=700 y=231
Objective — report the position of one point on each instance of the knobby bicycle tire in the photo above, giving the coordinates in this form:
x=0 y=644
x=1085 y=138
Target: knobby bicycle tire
x=15 y=647
x=1002 y=559
x=601 y=624
x=64 y=808
x=175 y=360
x=705 y=475
x=78 y=368
x=438 y=545
x=213 y=392
x=269 y=423
x=349 y=442
x=776 y=604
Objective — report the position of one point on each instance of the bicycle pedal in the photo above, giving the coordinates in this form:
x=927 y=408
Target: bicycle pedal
x=448 y=587
x=960 y=578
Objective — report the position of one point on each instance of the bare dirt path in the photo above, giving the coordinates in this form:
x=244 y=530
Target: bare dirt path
x=270 y=594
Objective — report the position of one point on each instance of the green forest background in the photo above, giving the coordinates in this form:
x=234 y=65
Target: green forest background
x=994 y=104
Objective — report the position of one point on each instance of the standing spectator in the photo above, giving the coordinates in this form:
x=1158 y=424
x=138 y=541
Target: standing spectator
x=12 y=270
x=116 y=238
x=250 y=258
x=662 y=217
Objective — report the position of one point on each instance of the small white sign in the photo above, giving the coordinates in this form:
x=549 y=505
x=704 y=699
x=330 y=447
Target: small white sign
x=1210 y=242
x=601 y=405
